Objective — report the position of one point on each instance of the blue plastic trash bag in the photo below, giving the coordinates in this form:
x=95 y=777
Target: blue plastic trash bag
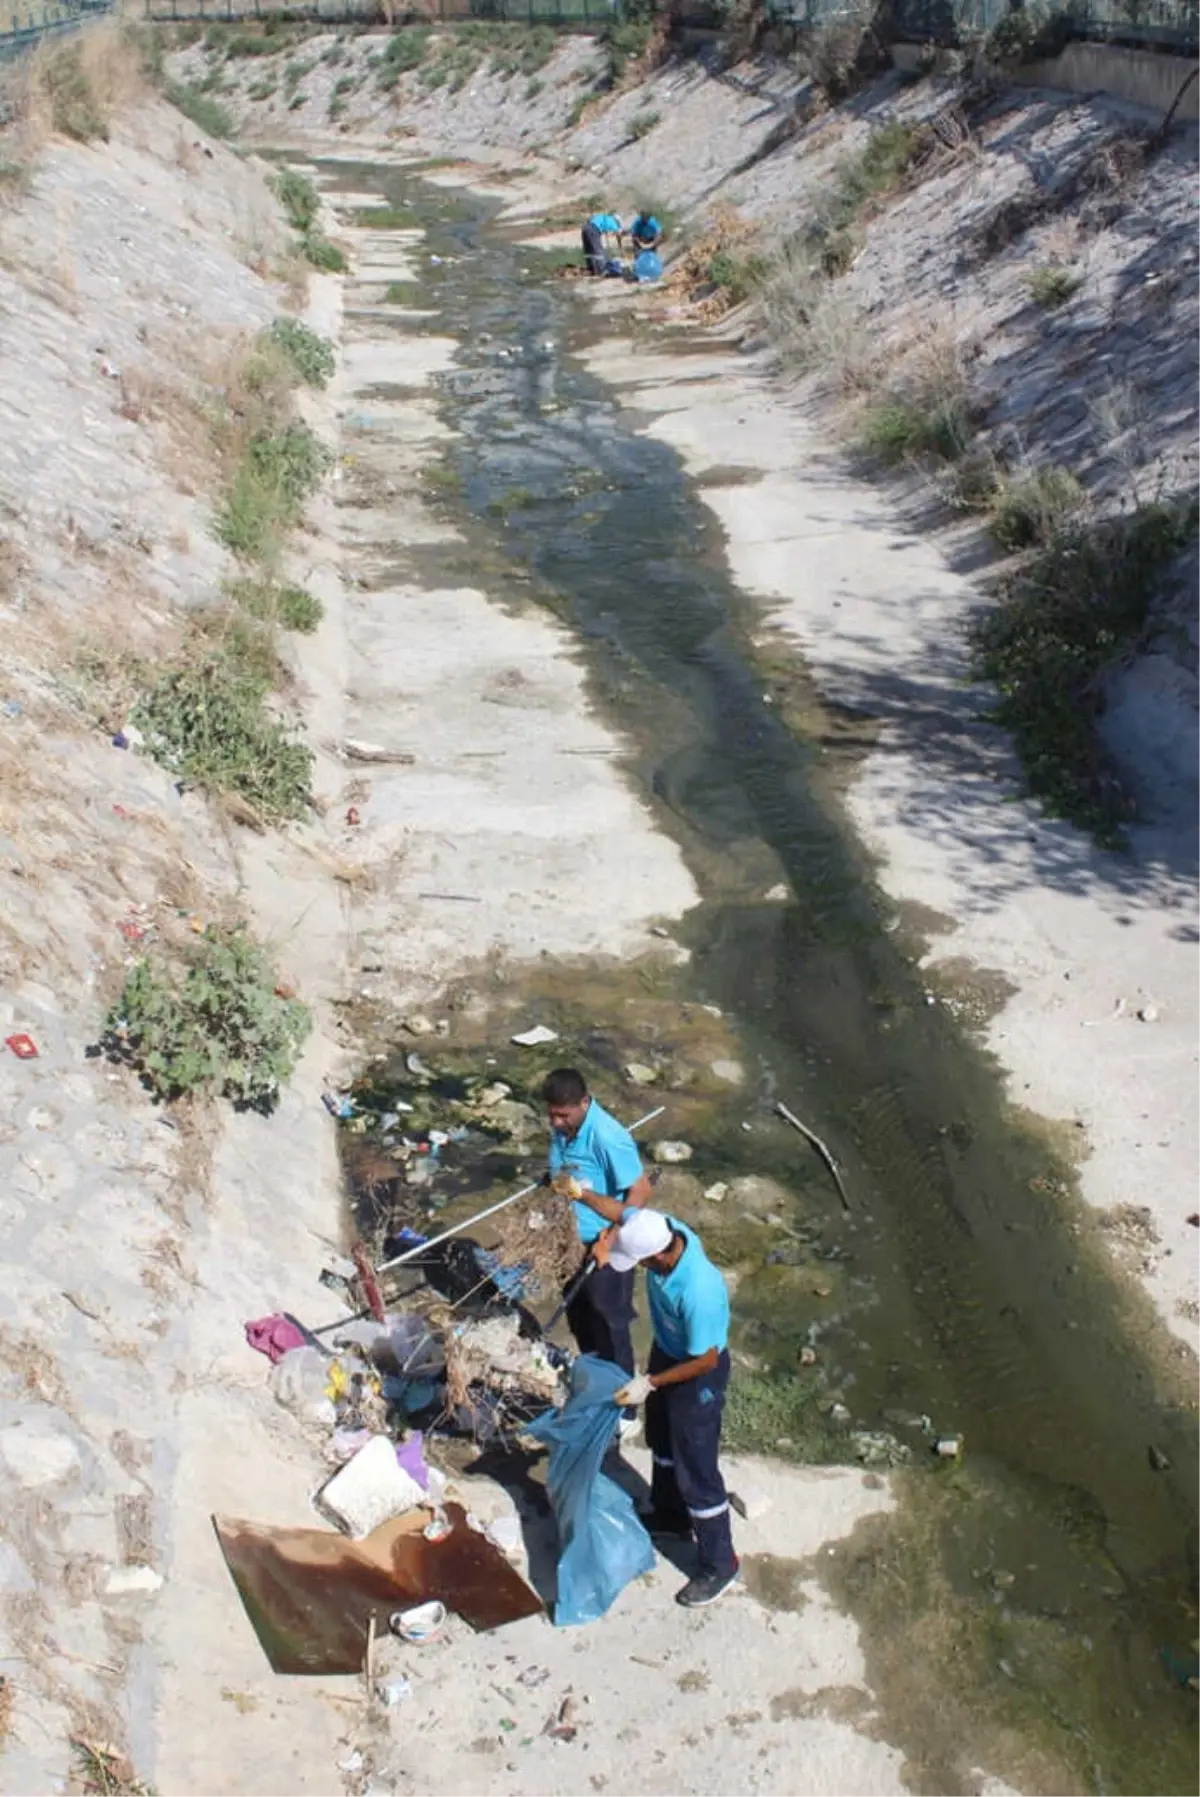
x=647 y=266
x=602 y=1545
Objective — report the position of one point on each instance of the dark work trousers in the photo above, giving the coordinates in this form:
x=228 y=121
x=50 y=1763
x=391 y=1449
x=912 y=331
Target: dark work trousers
x=683 y=1433
x=593 y=249
x=600 y=1313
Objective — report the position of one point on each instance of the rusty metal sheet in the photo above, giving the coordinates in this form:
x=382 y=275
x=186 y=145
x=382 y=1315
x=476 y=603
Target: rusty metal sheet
x=310 y=1593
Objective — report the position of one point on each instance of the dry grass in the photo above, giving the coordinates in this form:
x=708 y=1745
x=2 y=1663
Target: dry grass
x=550 y=1248
x=719 y=265
x=816 y=325
x=104 y=1770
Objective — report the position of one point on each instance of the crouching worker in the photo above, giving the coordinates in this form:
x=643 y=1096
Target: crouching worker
x=596 y=230
x=683 y=1390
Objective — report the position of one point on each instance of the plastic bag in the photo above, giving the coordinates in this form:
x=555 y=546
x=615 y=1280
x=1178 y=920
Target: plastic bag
x=300 y=1382
x=602 y=1544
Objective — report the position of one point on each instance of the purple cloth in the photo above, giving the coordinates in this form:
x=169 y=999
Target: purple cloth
x=412 y=1460
x=273 y=1336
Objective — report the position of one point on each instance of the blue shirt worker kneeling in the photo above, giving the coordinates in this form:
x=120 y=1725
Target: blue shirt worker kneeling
x=594 y=1161
x=645 y=231
x=683 y=1391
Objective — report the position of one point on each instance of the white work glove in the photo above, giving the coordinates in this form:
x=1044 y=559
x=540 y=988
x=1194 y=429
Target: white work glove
x=636 y=1392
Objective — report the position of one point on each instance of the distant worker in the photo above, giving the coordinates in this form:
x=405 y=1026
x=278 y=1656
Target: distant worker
x=594 y=1160
x=645 y=231
x=683 y=1390
x=595 y=252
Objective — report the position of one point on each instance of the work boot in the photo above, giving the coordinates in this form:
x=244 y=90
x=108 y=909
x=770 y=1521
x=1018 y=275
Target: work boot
x=706 y=1588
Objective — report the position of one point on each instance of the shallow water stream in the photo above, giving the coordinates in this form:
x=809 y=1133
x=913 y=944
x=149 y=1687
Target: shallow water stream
x=1045 y=1575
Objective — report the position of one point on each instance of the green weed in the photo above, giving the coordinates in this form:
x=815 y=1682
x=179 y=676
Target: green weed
x=738 y=276
x=643 y=124
x=406 y=50
x=385 y=218
x=896 y=429
x=1051 y=285
x=222 y=1029
x=398 y=293
x=322 y=254
x=1078 y=605
x=207 y=114
x=777 y=1414
x=208 y=724
x=298 y=197
x=831 y=235
x=308 y=353
x=276 y=474
x=262 y=90
x=295 y=608
x=1032 y=508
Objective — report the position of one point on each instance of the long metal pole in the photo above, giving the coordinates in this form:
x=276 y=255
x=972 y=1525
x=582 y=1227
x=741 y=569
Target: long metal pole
x=469 y=1222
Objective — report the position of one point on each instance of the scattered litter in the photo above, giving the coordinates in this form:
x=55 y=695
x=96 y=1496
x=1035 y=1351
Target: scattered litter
x=808 y=1357
x=535 y=1037
x=779 y=894
x=1158 y=1460
x=128 y=737
x=353 y=1762
x=353 y=816
x=672 y=1154
x=300 y=1382
x=274 y=1336
x=418 y=1025
x=458 y=898
x=128 y=1579
x=13 y=708
x=1149 y=1014
x=533 y=1676
x=416 y=1066
x=338 y=1104
x=750 y=1501
x=948 y=1447
x=1194 y=1219
x=437 y=1529
x=24 y=1047
x=424 y=1622
x=829 y=1158
x=563 y=1725
x=370 y=1490
x=505 y=1533
x=360 y=751
x=820 y=1290
x=640 y=1073
x=394 y=1691
x=716 y=1194
x=309 y=1594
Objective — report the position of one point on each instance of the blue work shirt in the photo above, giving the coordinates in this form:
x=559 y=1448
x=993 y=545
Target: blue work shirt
x=605 y=221
x=689 y=1306
x=602 y=1156
x=645 y=228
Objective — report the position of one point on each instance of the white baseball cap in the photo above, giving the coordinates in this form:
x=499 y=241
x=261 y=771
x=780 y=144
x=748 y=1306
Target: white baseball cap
x=643 y=1233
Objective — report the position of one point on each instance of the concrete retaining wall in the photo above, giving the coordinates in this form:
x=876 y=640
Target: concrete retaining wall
x=1147 y=78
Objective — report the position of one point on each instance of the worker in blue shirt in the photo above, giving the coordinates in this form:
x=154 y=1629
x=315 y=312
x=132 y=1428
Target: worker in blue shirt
x=683 y=1390
x=595 y=229
x=594 y=1161
x=645 y=232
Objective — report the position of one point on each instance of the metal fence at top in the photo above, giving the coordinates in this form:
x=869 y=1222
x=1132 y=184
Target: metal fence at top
x=24 y=25
x=565 y=13
x=1157 y=24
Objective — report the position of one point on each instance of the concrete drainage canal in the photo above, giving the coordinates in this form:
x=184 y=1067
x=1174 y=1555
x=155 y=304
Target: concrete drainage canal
x=1029 y=1605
